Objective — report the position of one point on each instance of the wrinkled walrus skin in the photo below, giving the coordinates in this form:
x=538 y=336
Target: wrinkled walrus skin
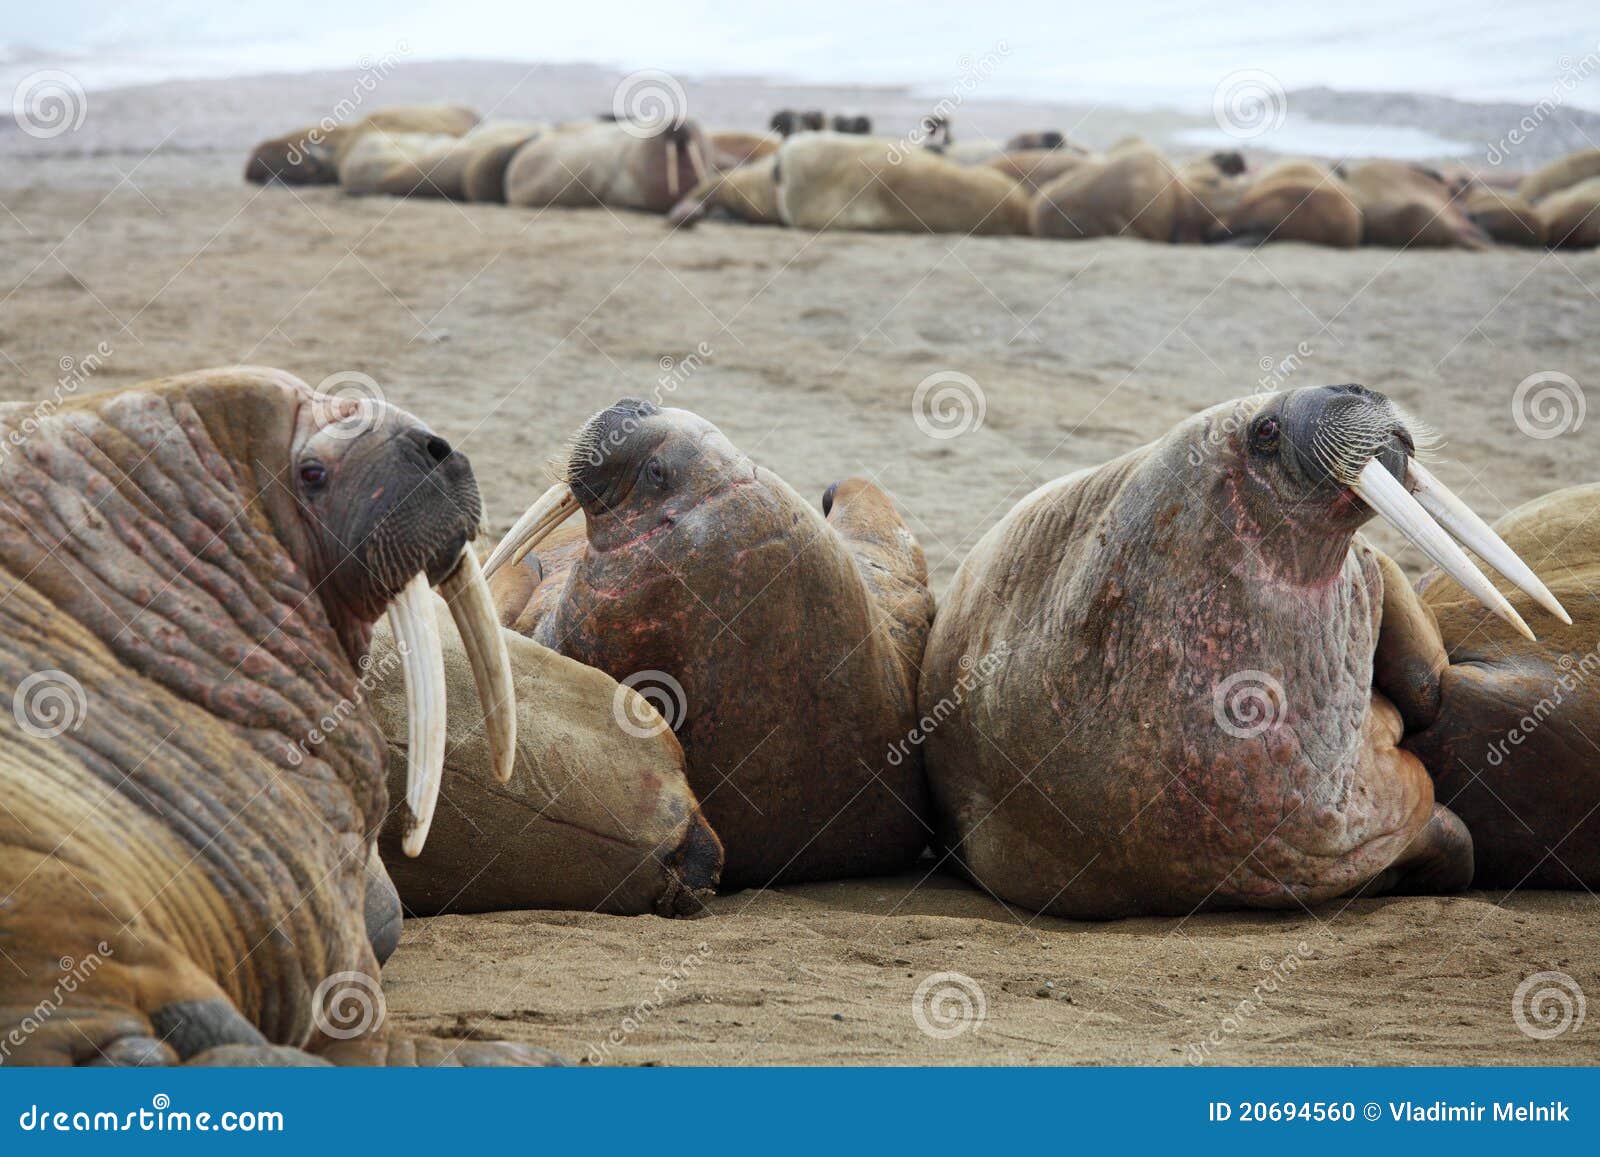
x=794 y=637
x=171 y=560
x=595 y=818
x=1082 y=661
x=1513 y=740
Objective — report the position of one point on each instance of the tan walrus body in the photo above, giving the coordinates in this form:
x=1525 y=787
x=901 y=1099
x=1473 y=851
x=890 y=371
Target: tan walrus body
x=311 y=155
x=1404 y=206
x=1559 y=174
x=622 y=165
x=1296 y=201
x=1571 y=216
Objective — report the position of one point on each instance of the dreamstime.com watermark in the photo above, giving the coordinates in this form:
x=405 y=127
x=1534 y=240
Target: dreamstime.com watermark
x=648 y=103
x=1275 y=974
x=658 y=704
x=347 y=1005
x=1570 y=74
x=1574 y=674
x=1276 y=373
x=48 y=103
x=373 y=672
x=74 y=974
x=1548 y=1004
x=160 y=1117
x=948 y=404
x=674 y=373
x=75 y=371
x=673 y=975
x=373 y=72
x=949 y=1004
x=971 y=73
x=1249 y=103
x=1548 y=404
x=1249 y=703
x=973 y=672
x=49 y=703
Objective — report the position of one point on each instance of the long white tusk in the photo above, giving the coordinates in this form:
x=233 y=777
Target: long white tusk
x=1391 y=500
x=1478 y=536
x=672 y=169
x=416 y=634
x=554 y=507
x=473 y=610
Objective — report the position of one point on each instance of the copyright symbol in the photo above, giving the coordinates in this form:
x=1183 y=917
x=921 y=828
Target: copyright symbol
x=1371 y=1111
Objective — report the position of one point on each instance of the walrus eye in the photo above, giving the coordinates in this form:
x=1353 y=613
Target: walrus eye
x=1264 y=435
x=655 y=472
x=313 y=476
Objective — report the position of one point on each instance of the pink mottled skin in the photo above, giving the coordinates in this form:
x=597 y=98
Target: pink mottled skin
x=1090 y=775
x=794 y=637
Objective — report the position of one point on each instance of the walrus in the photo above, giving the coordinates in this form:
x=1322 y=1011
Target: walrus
x=594 y=817
x=731 y=150
x=783 y=643
x=1154 y=679
x=788 y=121
x=1294 y=201
x=1133 y=193
x=837 y=181
x=1508 y=726
x=1502 y=214
x=1039 y=139
x=1569 y=170
x=311 y=155
x=1036 y=168
x=1407 y=206
x=748 y=193
x=192 y=568
x=1571 y=216
x=609 y=164
x=441 y=166
x=391 y=164
x=857 y=125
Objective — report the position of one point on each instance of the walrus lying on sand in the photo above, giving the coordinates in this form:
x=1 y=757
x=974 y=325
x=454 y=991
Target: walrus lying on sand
x=594 y=817
x=839 y=181
x=1132 y=192
x=1509 y=727
x=782 y=643
x=465 y=168
x=192 y=570
x=1294 y=201
x=1405 y=206
x=394 y=164
x=1571 y=216
x=1501 y=213
x=1155 y=678
x=609 y=163
x=311 y=155
x=730 y=150
x=748 y=193
x=1572 y=169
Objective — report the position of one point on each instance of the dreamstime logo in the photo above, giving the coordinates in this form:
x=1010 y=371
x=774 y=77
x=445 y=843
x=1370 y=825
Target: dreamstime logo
x=673 y=975
x=1275 y=977
x=1247 y=703
x=347 y=1005
x=1548 y=1004
x=353 y=400
x=74 y=974
x=48 y=103
x=649 y=102
x=1548 y=404
x=947 y=1004
x=948 y=404
x=663 y=709
x=1249 y=103
x=675 y=371
x=971 y=73
x=48 y=703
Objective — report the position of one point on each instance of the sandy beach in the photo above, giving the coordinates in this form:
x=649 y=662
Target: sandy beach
x=133 y=249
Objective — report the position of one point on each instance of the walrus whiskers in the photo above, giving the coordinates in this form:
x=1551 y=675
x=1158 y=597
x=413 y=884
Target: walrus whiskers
x=1475 y=534
x=554 y=507
x=1389 y=498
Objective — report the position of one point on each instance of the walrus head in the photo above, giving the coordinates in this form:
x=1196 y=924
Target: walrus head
x=1310 y=466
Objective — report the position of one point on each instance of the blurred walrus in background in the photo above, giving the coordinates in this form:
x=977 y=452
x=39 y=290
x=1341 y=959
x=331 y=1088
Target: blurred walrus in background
x=748 y=193
x=730 y=150
x=837 y=181
x=193 y=568
x=1571 y=216
x=857 y=125
x=311 y=155
x=786 y=122
x=781 y=644
x=440 y=166
x=594 y=818
x=1509 y=727
x=1294 y=201
x=1178 y=709
x=1501 y=213
x=1560 y=174
x=393 y=164
x=1407 y=206
x=1036 y=168
x=1131 y=192
x=623 y=165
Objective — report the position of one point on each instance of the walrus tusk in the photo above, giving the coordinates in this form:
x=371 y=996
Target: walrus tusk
x=1477 y=536
x=672 y=170
x=472 y=607
x=1392 y=501
x=416 y=634
x=697 y=163
x=554 y=507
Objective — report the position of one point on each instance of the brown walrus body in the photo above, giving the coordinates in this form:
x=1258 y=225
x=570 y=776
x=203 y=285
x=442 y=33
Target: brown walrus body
x=1296 y=201
x=1156 y=677
x=311 y=155
x=1036 y=168
x=392 y=164
x=1404 y=206
x=1504 y=215
x=1512 y=724
x=441 y=166
x=729 y=150
x=842 y=181
x=192 y=567
x=1571 y=216
x=782 y=644
x=594 y=818
x=609 y=163
x=748 y=193
x=1134 y=192
x=1560 y=174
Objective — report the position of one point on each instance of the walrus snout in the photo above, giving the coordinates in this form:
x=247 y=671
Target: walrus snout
x=694 y=868
x=1330 y=432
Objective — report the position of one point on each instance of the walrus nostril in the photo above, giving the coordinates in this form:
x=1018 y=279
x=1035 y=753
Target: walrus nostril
x=695 y=870
x=437 y=448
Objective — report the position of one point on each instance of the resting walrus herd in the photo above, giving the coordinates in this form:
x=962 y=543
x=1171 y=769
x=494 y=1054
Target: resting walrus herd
x=807 y=175
x=1181 y=680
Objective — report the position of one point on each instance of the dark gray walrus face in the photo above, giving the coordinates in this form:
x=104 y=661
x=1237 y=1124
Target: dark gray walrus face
x=1184 y=715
